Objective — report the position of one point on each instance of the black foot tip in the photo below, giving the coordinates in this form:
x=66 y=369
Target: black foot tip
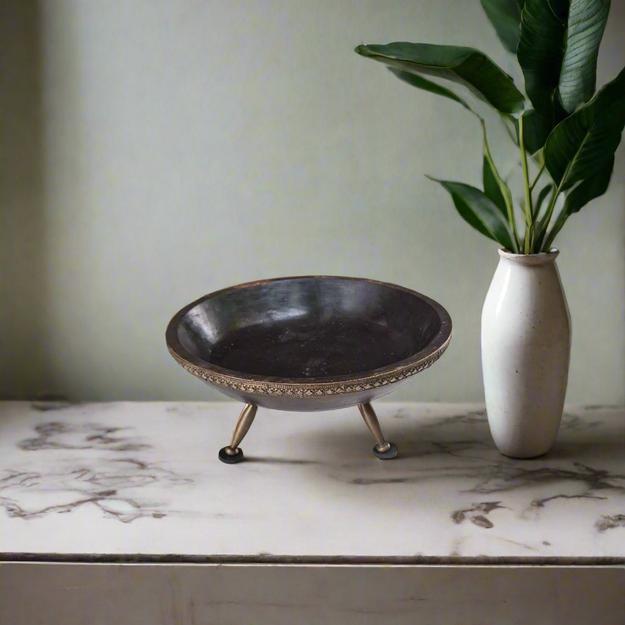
x=225 y=455
x=387 y=454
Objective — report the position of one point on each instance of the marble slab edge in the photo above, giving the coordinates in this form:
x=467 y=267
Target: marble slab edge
x=331 y=560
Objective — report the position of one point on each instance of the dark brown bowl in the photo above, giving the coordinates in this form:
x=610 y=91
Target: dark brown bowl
x=310 y=342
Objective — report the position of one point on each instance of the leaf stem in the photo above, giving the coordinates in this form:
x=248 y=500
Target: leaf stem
x=503 y=187
x=528 y=210
x=544 y=222
x=538 y=175
x=562 y=217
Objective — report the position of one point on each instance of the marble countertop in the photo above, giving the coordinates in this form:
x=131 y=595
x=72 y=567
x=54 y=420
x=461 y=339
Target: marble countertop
x=141 y=481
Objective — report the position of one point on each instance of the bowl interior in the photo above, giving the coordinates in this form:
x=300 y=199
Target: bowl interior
x=312 y=327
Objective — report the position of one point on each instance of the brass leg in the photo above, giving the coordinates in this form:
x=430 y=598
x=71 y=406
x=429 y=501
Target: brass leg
x=231 y=454
x=383 y=449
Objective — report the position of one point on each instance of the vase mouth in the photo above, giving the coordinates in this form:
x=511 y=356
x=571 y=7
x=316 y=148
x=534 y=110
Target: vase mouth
x=542 y=258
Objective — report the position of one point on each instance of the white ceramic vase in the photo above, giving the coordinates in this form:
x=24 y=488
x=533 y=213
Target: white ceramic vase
x=526 y=342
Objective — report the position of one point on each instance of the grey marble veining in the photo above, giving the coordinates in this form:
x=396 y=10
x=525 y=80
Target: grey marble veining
x=143 y=478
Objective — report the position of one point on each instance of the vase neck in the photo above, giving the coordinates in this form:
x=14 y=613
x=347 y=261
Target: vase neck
x=529 y=260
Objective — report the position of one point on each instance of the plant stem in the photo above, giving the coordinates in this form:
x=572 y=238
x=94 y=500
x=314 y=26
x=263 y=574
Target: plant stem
x=562 y=217
x=528 y=210
x=538 y=175
x=544 y=222
x=503 y=187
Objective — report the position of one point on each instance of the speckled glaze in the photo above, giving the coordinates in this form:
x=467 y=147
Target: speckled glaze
x=526 y=340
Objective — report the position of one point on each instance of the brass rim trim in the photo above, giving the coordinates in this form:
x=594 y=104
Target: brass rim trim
x=303 y=389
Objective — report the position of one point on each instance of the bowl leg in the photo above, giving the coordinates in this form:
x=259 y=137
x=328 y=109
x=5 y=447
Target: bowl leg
x=233 y=454
x=383 y=449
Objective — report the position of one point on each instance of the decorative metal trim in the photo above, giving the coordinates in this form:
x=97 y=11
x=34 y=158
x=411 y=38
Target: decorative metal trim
x=304 y=389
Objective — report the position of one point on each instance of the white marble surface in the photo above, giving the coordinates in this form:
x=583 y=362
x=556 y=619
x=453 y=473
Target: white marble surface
x=144 y=479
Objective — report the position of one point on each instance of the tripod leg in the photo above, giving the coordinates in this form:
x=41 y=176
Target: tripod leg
x=383 y=449
x=232 y=454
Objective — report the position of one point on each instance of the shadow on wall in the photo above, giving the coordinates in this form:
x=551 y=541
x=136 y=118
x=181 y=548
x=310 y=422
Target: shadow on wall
x=22 y=219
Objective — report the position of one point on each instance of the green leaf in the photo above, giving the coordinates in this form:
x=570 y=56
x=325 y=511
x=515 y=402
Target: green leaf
x=505 y=16
x=578 y=197
x=466 y=66
x=543 y=25
x=582 y=145
x=427 y=85
x=479 y=211
x=589 y=189
x=491 y=187
x=586 y=23
x=579 y=152
x=544 y=192
x=536 y=129
x=558 y=52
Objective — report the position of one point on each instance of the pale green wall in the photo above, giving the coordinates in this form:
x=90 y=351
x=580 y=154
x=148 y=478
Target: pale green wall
x=153 y=151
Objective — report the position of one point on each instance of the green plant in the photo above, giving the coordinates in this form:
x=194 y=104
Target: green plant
x=569 y=131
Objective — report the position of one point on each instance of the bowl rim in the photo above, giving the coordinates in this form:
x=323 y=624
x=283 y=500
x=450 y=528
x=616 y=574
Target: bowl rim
x=346 y=383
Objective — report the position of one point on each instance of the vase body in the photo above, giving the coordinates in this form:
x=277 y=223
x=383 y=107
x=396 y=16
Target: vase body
x=526 y=342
